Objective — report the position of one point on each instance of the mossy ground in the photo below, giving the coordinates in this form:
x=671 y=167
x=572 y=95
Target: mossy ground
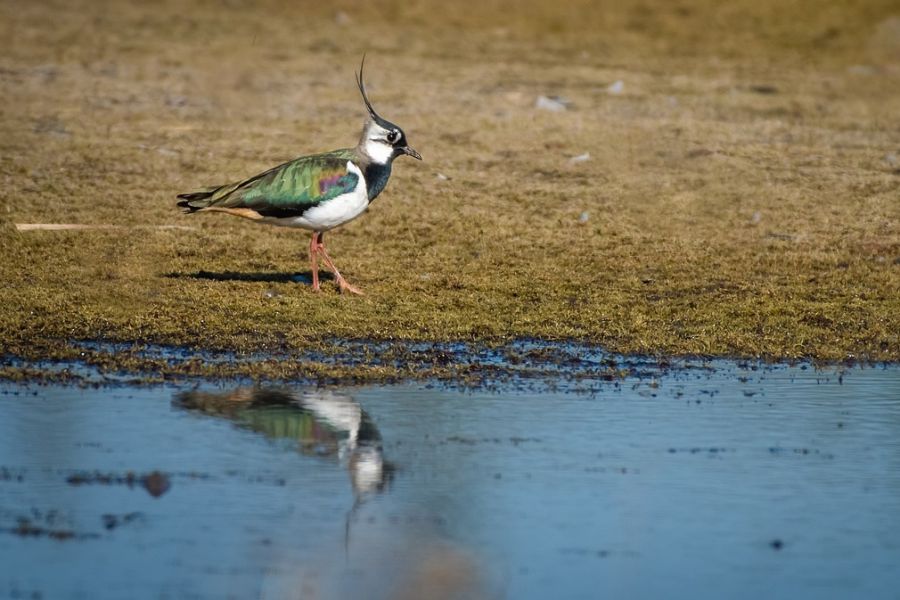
x=742 y=195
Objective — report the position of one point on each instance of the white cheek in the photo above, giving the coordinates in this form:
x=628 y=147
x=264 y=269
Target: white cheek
x=379 y=152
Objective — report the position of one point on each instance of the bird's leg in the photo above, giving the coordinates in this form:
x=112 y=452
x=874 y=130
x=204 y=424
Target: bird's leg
x=314 y=259
x=342 y=283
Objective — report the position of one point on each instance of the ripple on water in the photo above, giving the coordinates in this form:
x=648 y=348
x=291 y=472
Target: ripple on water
x=696 y=479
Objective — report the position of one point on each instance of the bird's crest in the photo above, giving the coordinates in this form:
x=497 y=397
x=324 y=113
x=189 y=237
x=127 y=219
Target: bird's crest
x=362 y=90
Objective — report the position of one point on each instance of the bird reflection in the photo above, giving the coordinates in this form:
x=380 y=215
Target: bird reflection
x=408 y=559
x=323 y=423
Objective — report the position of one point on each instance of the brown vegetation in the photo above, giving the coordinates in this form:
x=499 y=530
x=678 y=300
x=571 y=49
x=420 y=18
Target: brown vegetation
x=741 y=194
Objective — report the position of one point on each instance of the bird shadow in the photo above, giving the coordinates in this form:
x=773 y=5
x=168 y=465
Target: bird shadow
x=258 y=276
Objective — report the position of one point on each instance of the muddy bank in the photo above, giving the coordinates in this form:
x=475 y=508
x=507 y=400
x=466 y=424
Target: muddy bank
x=532 y=364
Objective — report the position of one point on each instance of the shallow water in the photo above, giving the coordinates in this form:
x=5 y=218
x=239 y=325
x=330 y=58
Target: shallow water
x=720 y=482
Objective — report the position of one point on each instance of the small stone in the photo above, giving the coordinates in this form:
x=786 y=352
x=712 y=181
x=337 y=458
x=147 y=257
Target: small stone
x=156 y=483
x=176 y=101
x=584 y=216
x=861 y=70
x=756 y=218
x=698 y=152
x=580 y=158
x=616 y=88
x=442 y=177
x=552 y=103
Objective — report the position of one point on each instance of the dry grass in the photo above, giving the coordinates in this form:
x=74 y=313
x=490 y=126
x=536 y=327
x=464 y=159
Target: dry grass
x=742 y=195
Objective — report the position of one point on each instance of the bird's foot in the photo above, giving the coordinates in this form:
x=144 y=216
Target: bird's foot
x=346 y=287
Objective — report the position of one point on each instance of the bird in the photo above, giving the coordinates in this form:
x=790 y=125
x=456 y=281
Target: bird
x=326 y=424
x=317 y=192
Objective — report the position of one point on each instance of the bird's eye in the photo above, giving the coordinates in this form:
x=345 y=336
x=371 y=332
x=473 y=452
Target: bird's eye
x=393 y=136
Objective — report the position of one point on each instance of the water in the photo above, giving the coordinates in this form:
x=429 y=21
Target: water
x=724 y=482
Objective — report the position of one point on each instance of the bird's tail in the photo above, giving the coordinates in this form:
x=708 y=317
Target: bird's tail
x=194 y=201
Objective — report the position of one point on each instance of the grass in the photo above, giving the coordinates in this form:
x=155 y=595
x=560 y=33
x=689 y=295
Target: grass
x=742 y=195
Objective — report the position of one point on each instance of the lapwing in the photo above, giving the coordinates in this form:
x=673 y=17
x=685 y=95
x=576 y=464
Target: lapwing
x=317 y=192
x=325 y=424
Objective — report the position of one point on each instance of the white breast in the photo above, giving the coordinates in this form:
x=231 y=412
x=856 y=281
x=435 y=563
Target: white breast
x=337 y=211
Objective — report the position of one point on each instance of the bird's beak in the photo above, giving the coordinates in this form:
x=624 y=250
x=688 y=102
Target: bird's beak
x=411 y=152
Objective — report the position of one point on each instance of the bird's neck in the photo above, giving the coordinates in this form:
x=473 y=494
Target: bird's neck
x=376 y=176
x=375 y=163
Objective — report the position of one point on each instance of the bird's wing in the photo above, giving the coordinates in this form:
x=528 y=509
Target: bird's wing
x=290 y=189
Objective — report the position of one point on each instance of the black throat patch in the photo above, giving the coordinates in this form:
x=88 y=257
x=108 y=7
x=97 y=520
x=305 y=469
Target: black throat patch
x=376 y=178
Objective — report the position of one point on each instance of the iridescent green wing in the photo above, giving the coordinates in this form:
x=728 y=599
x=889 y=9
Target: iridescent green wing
x=291 y=189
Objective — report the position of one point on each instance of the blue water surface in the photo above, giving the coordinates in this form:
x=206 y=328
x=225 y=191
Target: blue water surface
x=726 y=481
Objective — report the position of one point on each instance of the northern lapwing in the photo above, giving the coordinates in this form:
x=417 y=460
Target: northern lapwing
x=317 y=192
x=325 y=424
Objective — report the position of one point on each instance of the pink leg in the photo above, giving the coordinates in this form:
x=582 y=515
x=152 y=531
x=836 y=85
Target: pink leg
x=314 y=260
x=342 y=283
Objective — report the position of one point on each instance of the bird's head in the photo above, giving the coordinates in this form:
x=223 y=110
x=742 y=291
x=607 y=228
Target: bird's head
x=381 y=141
